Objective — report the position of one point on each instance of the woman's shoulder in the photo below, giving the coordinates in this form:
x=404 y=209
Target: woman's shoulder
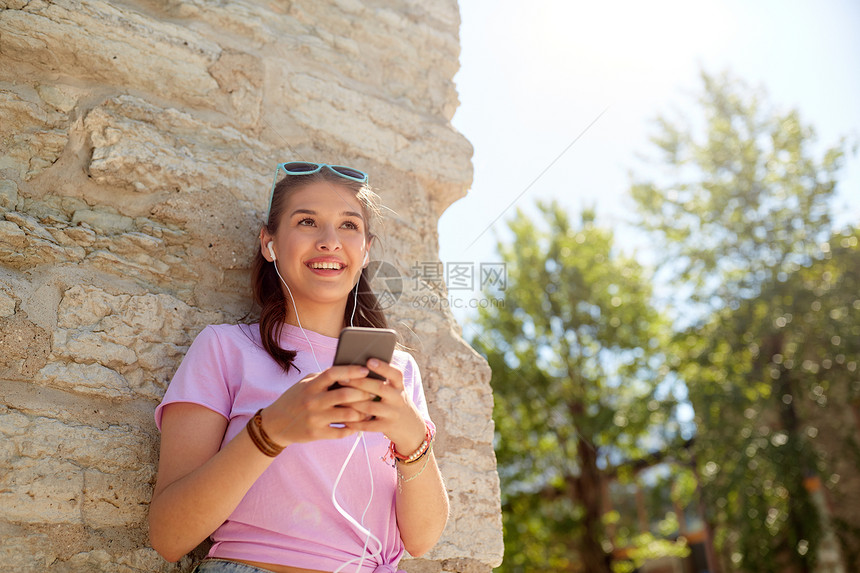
x=229 y=334
x=233 y=329
x=402 y=355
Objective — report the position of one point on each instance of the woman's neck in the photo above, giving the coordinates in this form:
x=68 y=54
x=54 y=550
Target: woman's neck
x=323 y=319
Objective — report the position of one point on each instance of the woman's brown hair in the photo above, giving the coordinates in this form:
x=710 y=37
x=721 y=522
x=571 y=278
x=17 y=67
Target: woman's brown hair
x=266 y=286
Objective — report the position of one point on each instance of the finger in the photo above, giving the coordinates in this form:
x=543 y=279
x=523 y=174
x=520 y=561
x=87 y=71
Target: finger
x=349 y=417
x=376 y=389
x=387 y=371
x=338 y=374
x=345 y=415
x=345 y=395
x=363 y=426
x=371 y=409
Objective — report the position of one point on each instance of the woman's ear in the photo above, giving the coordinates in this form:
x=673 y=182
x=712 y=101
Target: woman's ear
x=266 y=245
x=367 y=252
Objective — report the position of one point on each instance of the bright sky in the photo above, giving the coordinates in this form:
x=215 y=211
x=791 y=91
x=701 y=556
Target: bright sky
x=534 y=75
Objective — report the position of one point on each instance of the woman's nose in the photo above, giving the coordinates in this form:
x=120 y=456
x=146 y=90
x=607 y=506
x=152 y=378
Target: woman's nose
x=328 y=239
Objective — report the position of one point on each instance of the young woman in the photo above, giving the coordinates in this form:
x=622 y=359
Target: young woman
x=257 y=453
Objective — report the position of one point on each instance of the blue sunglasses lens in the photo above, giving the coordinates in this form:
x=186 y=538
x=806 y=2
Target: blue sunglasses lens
x=349 y=172
x=301 y=168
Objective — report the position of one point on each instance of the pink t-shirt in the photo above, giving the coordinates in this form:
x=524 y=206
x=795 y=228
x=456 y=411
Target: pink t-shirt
x=287 y=517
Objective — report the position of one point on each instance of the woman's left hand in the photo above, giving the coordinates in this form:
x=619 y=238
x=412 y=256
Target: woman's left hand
x=422 y=504
x=393 y=414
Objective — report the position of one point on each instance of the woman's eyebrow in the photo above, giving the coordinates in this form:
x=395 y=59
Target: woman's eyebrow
x=312 y=212
x=303 y=212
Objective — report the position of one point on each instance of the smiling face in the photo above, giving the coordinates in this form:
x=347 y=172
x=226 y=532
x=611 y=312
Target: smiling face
x=320 y=243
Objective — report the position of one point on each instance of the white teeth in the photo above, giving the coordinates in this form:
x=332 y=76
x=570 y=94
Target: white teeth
x=326 y=265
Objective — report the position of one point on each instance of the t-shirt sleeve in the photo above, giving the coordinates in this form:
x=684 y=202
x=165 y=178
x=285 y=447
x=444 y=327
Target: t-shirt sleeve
x=412 y=382
x=201 y=377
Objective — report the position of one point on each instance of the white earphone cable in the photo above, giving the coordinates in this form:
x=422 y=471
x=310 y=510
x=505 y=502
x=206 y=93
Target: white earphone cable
x=360 y=526
x=275 y=263
x=354 y=303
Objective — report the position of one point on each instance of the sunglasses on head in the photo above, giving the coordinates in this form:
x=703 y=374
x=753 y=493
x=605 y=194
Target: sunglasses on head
x=309 y=168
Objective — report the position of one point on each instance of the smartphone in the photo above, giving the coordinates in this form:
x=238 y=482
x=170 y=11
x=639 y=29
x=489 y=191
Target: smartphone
x=357 y=345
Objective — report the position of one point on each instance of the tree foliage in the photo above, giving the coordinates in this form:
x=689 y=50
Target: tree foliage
x=741 y=212
x=741 y=205
x=577 y=373
x=765 y=335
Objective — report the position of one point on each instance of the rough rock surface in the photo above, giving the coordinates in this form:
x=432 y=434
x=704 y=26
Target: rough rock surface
x=137 y=143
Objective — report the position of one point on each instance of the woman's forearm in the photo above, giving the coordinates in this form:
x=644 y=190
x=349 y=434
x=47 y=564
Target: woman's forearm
x=200 y=491
x=422 y=504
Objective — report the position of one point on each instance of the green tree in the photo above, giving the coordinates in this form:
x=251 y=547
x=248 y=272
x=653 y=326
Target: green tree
x=577 y=374
x=822 y=350
x=740 y=210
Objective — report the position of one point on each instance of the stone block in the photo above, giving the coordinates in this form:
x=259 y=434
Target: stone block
x=241 y=75
x=25 y=243
x=32 y=133
x=103 y=221
x=110 y=449
x=112 y=44
x=41 y=491
x=468 y=407
x=237 y=23
x=63 y=473
x=115 y=500
x=8 y=195
x=25 y=552
x=7 y=304
x=24 y=346
x=93 y=379
x=148 y=149
x=131 y=343
x=101 y=561
x=473 y=487
x=410 y=141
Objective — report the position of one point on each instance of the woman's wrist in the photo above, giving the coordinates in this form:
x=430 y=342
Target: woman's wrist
x=261 y=438
x=412 y=455
x=413 y=434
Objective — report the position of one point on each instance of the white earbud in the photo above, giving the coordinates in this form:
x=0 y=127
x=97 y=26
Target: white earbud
x=366 y=259
x=272 y=251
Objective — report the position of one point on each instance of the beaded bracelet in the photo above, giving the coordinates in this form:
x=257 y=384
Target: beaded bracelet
x=260 y=438
x=402 y=479
x=422 y=450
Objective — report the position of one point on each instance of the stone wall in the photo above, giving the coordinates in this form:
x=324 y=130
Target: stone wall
x=137 y=145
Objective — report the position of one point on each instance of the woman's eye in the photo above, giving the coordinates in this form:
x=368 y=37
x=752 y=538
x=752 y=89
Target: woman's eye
x=350 y=225
x=307 y=222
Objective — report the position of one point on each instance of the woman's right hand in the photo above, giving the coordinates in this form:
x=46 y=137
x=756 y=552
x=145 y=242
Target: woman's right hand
x=308 y=409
